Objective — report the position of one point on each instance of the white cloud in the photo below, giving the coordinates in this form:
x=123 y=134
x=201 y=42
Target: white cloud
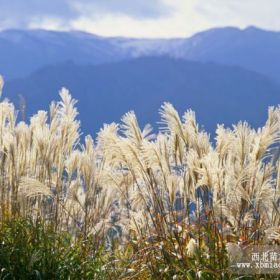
x=48 y=23
x=182 y=22
x=23 y=12
x=134 y=8
x=262 y=13
x=140 y=18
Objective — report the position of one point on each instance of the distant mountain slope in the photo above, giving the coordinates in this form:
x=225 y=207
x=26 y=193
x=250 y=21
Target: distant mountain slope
x=251 y=48
x=22 y=52
x=218 y=94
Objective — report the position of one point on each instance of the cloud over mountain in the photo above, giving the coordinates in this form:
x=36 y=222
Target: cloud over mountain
x=139 y=18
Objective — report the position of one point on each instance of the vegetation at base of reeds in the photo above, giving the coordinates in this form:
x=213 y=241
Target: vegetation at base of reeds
x=33 y=250
x=132 y=204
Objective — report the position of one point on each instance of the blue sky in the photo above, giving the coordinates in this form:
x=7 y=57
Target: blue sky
x=139 y=18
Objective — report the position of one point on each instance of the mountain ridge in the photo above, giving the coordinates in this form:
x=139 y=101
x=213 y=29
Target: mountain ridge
x=22 y=52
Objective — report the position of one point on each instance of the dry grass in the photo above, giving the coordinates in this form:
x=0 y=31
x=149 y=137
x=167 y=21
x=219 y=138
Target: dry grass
x=165 y=201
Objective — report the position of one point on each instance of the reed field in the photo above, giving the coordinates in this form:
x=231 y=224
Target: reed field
x=133 y=203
